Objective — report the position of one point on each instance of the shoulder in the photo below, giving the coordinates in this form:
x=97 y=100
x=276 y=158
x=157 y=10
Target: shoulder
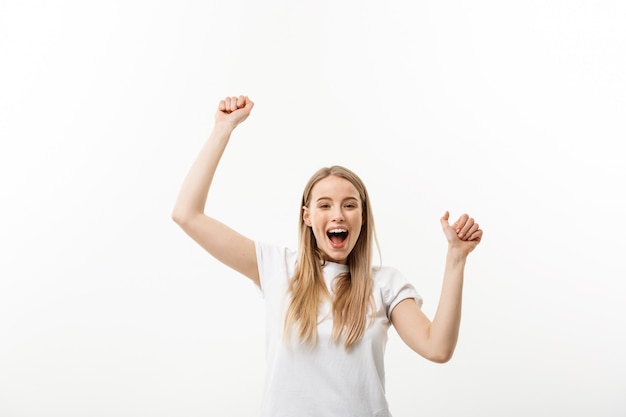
x=393 y=286
x=387 y=275
x=276 y=263
x=269 y=253
x=389 y=279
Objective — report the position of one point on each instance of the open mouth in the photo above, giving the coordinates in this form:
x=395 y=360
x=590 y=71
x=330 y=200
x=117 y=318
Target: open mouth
x=337 y=237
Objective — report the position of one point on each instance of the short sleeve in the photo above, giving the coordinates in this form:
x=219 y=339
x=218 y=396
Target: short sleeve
x=275 y=263
x=395 y=287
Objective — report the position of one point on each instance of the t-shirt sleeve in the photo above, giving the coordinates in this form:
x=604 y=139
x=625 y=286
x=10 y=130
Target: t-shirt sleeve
x=275 y=264
x=397 y=288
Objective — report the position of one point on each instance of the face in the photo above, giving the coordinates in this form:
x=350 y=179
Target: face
x=335 y=215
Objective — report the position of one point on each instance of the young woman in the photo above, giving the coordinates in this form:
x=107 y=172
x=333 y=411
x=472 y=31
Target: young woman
x=328 y=308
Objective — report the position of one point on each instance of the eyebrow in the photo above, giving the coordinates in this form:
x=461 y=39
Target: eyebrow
x=347 y=198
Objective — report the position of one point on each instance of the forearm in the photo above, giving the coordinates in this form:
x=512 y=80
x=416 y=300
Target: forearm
x=436 y=339
x=195 y=188
x=444 y=330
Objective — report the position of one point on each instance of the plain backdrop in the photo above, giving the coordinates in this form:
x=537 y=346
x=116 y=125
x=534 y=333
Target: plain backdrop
x=511 y=111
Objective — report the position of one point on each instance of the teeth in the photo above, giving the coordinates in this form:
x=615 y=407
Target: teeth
x=338 y=231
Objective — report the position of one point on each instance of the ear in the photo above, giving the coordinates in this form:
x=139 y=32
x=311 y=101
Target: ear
x=306 y=216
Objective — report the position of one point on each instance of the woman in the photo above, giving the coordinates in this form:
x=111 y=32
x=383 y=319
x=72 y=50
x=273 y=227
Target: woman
x=328 y=309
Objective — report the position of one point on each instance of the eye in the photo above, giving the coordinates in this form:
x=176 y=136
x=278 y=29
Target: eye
x=324 y=205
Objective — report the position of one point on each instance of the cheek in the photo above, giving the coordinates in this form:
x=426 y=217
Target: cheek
x=317 y=219
x=318 y=234
x=358 y=219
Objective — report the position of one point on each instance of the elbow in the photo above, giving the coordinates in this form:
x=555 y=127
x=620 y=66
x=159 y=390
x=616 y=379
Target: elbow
x=180 y=217
x=440 y=356
x=186 y=219
x=177 y=217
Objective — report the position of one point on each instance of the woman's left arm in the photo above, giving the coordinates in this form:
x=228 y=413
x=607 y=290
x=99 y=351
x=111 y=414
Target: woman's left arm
x=437 y=340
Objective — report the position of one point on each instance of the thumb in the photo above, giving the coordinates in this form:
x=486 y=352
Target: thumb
x=444 y=219
x=249 y=104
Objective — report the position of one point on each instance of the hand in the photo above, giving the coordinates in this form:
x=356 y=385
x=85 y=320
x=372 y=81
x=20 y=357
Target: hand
x=464 y=234
x=233 y=110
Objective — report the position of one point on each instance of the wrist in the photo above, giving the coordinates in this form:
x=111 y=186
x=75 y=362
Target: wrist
x=457 y=254
x=223 y=127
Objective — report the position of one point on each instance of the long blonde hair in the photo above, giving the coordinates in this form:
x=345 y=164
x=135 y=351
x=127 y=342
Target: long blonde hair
x=352 y=290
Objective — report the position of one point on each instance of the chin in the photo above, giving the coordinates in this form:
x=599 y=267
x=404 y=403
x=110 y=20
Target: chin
x=338 y=259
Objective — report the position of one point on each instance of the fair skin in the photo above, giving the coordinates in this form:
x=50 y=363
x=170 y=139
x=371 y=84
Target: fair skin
x=335 y=216
x=335 y=207
x=225 y=244
x=436 y=340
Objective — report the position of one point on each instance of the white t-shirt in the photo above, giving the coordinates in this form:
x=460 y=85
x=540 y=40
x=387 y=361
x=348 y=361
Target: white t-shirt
x=326 y=380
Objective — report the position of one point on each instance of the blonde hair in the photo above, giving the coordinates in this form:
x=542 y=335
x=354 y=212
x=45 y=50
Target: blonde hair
x=352 y=290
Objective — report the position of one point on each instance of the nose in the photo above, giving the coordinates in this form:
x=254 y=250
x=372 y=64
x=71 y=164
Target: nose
x=338 y=215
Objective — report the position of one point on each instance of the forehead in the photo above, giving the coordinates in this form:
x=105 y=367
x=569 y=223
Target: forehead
x=334 y=187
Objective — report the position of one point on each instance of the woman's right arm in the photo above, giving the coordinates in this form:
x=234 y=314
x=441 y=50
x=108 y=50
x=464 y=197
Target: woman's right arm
x=222 y=242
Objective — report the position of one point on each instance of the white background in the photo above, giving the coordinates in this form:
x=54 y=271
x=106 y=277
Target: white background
x=511 y=111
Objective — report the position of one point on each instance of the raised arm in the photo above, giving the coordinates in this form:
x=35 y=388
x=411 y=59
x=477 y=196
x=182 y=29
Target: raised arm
x=225 y=244
x=437 y=340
